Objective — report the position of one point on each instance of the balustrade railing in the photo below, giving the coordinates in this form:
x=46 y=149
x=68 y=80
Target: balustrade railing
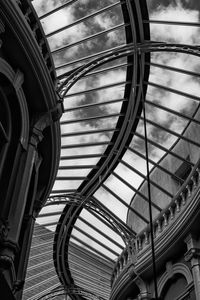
x=165 y=219
x=34 y=23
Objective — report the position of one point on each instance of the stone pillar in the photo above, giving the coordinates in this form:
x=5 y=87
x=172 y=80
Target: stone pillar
x=193 y=256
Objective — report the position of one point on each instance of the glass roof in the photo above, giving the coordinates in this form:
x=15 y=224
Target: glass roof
x=105 y=183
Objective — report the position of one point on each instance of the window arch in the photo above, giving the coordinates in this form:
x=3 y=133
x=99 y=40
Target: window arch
x=174 y=281
x=174 y=287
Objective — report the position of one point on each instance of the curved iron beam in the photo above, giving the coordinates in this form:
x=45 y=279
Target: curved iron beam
x=122 y=51
x=92 y=204
x=107 y=163
x=74 y=209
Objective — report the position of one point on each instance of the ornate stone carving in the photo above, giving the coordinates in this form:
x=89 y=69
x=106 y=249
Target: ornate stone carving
x=192 y=253
x=4 y=229
x=131 y=271
x=6 y=261
x=18 y=285
x=18 y=80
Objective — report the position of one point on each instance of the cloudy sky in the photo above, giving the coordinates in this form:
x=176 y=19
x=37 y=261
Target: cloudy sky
x=76 y=34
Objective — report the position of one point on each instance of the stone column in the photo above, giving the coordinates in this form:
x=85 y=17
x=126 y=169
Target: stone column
x=193 y=255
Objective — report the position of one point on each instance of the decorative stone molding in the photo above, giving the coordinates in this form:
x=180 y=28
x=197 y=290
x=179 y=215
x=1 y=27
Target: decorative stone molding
x=192 y=253
x=6 y=261
x=171 y=270
x=4 y=229
x=43 y=121
x=18 y=80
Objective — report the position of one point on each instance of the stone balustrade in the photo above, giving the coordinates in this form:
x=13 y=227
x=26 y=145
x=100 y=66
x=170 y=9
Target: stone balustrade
x=165 y=219
x=34 y=23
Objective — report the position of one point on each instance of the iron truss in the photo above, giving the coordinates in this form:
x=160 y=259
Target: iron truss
x=75 y=202
x=92 y=204
x=68 y=80
x=82 y=198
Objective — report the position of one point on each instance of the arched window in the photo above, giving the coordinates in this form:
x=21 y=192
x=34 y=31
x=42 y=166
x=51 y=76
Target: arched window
x=176 y=282
x=174 y=287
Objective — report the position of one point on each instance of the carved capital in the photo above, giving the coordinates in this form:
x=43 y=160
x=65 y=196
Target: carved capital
x=18 y=285
x=36 y=137
x=45 y=120
x=57 y=111
x=131 y=271
x=6 y=261
x=192 y=253
x=18 y=80
x=169 y=269
x=4 y=229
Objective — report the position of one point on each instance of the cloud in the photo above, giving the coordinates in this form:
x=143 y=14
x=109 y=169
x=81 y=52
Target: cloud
x=175 y=80
x=175 y=33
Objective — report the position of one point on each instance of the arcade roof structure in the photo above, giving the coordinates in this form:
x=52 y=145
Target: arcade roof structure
x=128 y=75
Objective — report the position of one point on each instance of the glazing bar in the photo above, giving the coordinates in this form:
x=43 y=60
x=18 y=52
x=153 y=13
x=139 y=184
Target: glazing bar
x=88 y=132
x=107 y=86
x=157 y=165
x=100 y=218
x=91 y=118
x=92 y=248
x=71 y=178
x=78 y=167
x=57 y=9
x=126 y=204
x=145 y=177
x=63 y=191
x=94 y=73
x=164 y=149
x=83 y=19
x=180 y=136
x=100 y=232
x=195 y=24
x=135 y=190
x=84 y=156
x=93 y=36
x=174 y=91
x=186 y=72
x=95 y=104
x=85 y=145
x=95 y=240
x=82 y=59
x=176 y=113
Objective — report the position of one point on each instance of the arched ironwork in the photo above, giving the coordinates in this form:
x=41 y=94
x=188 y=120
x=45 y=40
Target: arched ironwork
x=122 y=51
x=63 y=89
x=83 y=197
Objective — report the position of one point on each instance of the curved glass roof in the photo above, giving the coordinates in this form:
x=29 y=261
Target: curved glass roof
x=110 y=126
